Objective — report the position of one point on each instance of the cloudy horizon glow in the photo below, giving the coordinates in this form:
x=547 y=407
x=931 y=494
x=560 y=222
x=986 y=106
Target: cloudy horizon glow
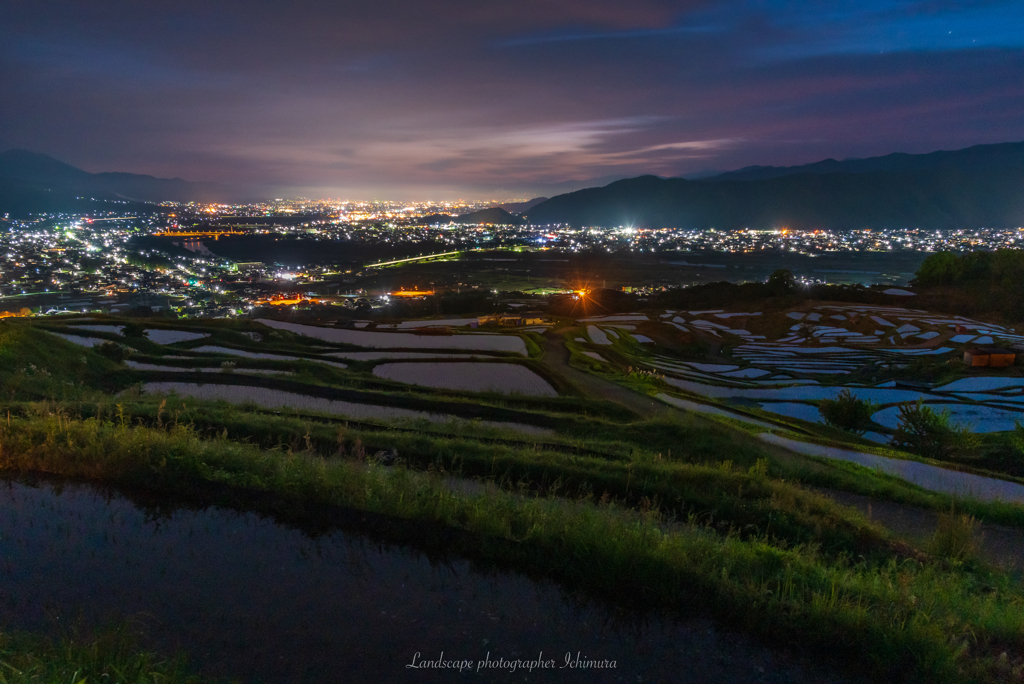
x=412 y=99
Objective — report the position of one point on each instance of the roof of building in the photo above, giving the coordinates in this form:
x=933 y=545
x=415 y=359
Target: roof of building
x=982 y=351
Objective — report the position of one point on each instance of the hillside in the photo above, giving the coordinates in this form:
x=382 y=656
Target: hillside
x=967 y=189
x=22 y=198
x=979 y=158
x=599 y=489
x=25 y=169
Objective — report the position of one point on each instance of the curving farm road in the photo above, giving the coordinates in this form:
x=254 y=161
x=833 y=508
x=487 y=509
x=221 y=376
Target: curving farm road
x=556 y=360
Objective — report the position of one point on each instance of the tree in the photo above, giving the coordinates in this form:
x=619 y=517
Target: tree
x=847 y=412
x=938 y=269
x=928 y=432
x=781 y=282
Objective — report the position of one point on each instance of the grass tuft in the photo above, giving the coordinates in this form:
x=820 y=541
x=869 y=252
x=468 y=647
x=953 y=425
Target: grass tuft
x=957 y=537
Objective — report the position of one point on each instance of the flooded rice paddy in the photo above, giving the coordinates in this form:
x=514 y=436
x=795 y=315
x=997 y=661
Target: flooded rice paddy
x=505 y=378
x=80 y=340
x=140 y=366
x=112 y=329
x=834 y=341
x=397 y=340
x=598 y=336
x=173 y=336
x=247 y=597
x=922 y=474
x=278 y=399
x=214 y=349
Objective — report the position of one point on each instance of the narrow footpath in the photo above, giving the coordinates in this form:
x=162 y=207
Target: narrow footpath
x=556 y=359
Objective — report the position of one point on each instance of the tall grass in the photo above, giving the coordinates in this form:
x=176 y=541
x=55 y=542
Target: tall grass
x=957 y=537
x=727 y=495
x=903 y=620
x=110 y=657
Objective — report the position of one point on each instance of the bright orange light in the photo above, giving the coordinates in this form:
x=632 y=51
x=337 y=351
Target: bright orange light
x=410 y=293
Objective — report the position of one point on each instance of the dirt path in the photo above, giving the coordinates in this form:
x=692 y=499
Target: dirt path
x=556 y=360
x=922 y=474
x=1003 y=546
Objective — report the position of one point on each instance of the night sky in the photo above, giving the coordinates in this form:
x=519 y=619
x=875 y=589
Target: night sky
x=412 y=98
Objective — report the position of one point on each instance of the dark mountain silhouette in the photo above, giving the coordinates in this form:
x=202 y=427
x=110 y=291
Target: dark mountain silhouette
x=22 y=198
x=979 y=158
x=21 y=167
x=981 y=186
x=573 y=185
x=39 y=168
x=494 y=215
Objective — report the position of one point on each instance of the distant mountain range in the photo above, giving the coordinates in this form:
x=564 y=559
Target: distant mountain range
x=33 y=182
x=977 y=159
x=981 y=186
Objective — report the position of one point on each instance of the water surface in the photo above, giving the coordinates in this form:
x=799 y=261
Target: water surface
x=248 y=597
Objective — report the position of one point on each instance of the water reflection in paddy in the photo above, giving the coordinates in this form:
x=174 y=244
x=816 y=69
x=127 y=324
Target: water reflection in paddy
x=247 y=597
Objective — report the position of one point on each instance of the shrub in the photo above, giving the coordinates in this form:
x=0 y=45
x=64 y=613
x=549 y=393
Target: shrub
x=114 y=351
x=847 y=412
x=134 y=329
x=928 y=432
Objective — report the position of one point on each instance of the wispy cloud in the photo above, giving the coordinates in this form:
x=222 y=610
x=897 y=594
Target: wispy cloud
x=577 y=36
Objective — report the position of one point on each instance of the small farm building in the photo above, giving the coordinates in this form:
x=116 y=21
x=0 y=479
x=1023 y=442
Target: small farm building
x=992 y=357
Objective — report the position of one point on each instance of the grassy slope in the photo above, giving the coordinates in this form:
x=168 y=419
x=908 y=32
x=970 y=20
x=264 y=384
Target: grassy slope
x=34 y=364
x=904 y=619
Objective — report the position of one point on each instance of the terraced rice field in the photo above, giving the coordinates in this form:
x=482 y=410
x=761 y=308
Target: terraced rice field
x=978 y=418
x=505 y=378
x=80 y=340
x=400 y=356
x=828 y=324
x=113 y=329
x=172 y=336
x=446 y=322
x=823 y=344
x=139 y=366
x=598 y=336
x=384 y=340
x=794 y=410
x=278 y=399
x=213 y=349
x=615 y=318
